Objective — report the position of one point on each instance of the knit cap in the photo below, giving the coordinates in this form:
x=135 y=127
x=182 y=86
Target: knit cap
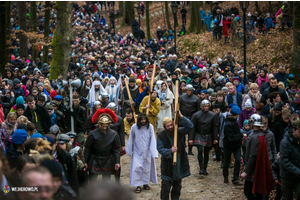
x=54 y=167
x=246 y=122
x=19 y=136
x=248 y=104
x=40 y=84
x=20 y=100
x=224 y=89
x=235 y=110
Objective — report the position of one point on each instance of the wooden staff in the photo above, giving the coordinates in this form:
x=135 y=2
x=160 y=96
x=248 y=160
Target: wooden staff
x=130 y=99
x=176 y=115
x=151 y=88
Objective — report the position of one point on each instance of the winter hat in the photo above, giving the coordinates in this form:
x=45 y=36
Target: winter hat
x=40 y=84
x=16 y=81
x=224 y=89
x=22 y=126
x=49 y=139
x=210 y=90
x=36 y=135
x=214 y=94
x=62 y=138
x=49 y=107
x=248 y=104
x=19 y=136
x=219 y=60
x=235 y=110
x=240 y=72
x=58 y=98
x=54 y=167
x=194 y=67
x=220 y=79
x=291 y=77
x=236 y=79
x=10 y=82
x=54 y=129
x=20 y=100
x=246 y=122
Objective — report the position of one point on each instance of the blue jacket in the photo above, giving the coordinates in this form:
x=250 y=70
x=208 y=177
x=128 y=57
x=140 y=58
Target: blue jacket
x=269 y=22
x=103 y=20
x=240 y=88
x=207 y=19
x=202 y=14
x=53 y=119
x=239 y=99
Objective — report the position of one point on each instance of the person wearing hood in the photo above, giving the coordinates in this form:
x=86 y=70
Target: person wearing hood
x=203 y=15
x=111 y=89
x=207 y=20
x=246 y=113
x=166 y=99
x=18 y=90
x=290 y=162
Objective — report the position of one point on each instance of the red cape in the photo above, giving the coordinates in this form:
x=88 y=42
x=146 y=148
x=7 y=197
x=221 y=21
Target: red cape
x=263 y=180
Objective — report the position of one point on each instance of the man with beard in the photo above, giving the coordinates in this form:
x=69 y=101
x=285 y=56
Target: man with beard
x=102 y=147
x=204 y=133
x=172 y=175
x=141 y=146
x=94 y=94
x=128 y=121
x=188 y=105
x=119 y=128
x=134 y=92
x=154 y=108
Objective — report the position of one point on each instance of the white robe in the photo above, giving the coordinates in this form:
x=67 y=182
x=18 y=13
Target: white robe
x=141 y=146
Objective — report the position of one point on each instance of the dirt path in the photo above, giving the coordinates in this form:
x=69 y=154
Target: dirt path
x=193 y=187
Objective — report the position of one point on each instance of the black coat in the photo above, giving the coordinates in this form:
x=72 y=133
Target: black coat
x=7 y=103
x=79 y=115
x=119 y=128
x=189 y=105
x=290 y=159
x=69 y=167
x=102 y=151
x=12 y=153
x=43 y=116
x=269 y=90
x=233 y=136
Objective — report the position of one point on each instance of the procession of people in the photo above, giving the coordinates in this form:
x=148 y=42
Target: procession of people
x=146 y=102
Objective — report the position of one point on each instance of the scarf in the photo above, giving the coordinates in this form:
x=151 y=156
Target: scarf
x=260 y=79
x=92 y=92
x=9 y=124
x=256 y=96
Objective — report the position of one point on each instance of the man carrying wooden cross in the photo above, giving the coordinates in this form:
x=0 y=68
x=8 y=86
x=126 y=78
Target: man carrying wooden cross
x=171 y=175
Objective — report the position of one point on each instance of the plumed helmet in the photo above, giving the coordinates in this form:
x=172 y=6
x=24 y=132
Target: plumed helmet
x=205 y=102
x=189 y=87
x=111 y=106
x=256 y=120
x=104 y=120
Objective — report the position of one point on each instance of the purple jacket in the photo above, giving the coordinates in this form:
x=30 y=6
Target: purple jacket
x=245 y=115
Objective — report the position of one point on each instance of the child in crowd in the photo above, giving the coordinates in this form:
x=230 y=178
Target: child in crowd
x=246 y=113
x=246 y=131
x=217 y=150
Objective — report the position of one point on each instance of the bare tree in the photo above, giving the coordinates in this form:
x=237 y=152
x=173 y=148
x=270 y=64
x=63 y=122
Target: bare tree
x=46 y=32
x=23 y=28
x=295 y=65
x=33 y=27
x=167 y=15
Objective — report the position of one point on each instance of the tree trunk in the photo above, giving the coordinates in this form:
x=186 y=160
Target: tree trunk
x=121 y=7
x=257 y=8
x=61 y=42
x=129 y=13
x=163 y=12
x=295 y=64
x=33 y=27
x=193 y=22
x=167 y=15
x=46 y=32
x=7 y=28
x=3 y=53
x=198 y=16
x=148 y=20
x=23 y=28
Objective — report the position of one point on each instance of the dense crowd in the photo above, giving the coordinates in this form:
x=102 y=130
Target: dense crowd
x=59 y=135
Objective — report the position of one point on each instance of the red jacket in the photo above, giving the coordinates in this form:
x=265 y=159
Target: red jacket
x=226 y=27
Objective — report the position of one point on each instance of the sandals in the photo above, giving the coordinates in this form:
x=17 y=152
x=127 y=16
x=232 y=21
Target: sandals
x=138 y=189
x=146 y=187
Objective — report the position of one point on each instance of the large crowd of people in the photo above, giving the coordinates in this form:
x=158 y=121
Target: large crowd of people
x=59 y=135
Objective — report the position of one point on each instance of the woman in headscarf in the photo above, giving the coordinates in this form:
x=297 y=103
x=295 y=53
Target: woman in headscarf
x=166 y=98
x=111 y=89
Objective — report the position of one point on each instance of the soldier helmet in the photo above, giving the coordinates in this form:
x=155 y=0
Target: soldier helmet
x=205 y=103
x=112 y=106
x=189 y=87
